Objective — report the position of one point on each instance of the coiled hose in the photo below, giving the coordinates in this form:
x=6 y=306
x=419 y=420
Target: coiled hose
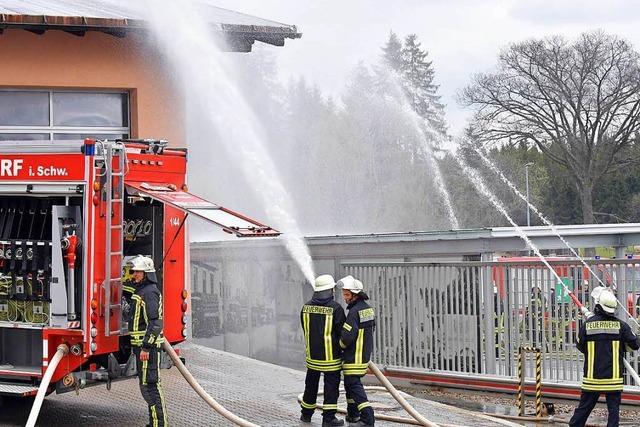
x=203 y=394
x=62 y=351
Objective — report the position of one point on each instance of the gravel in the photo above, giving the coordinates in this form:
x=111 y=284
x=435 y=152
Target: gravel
x=506 y=404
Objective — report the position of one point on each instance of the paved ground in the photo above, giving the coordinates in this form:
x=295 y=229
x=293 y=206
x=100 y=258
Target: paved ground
x=258 y=391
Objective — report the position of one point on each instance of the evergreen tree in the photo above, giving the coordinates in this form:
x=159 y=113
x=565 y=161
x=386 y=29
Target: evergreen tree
x=418 y=76
x=392 y=53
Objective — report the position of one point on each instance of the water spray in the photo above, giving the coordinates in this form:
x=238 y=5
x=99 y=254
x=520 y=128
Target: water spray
x=544 y=219
x=553 y=228
x=480 y=186
x=419 y=125
x=195 y=53
x=433 y=163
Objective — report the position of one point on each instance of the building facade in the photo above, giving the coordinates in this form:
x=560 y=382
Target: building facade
x=71 y=70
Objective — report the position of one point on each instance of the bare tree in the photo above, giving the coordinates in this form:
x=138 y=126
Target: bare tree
x=578 y=102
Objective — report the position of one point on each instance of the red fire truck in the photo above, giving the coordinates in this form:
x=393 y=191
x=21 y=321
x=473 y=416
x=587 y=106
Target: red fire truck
x=71 y=212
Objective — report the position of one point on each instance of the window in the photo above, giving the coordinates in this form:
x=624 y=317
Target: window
x=24 y=136
x=24 y=108
x=63 y=115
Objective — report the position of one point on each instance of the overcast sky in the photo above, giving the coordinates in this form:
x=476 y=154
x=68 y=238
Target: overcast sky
x=462 y=37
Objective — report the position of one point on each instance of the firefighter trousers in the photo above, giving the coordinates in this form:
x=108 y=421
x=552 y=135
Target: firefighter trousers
x=357 y=402
x=588 y=400
x=150 y=386
x=331 y=393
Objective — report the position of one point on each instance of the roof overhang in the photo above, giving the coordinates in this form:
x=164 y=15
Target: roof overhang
x=452 y=242
x=240 y=31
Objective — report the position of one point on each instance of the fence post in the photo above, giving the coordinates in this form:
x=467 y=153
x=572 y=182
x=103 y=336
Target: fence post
x=488 y=312
x=538 y=382
x=522 y=350
x=520 y=394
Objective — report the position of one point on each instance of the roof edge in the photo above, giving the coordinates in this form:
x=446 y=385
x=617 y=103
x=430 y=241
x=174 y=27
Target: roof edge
x=78 y=25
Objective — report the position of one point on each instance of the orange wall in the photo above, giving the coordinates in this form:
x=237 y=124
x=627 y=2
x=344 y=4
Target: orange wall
x=60 y=60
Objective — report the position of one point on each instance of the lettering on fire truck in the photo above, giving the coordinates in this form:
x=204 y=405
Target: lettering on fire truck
x=48 y=171
x=10 y=167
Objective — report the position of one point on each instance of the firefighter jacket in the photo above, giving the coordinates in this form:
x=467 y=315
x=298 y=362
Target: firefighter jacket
x=356 y=339
x=322 y=318
x=145 y=314
x=602 y=339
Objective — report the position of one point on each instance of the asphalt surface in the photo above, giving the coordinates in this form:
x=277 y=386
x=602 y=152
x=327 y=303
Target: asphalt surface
x=260 y=392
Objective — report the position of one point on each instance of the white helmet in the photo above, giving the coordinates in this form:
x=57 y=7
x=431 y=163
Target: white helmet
x=351 y=284
x=595 y=293
x=142 y=263
x=323 y=283
x=608 y=301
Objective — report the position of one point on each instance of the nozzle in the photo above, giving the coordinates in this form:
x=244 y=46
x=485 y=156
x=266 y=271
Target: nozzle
x=585 y=312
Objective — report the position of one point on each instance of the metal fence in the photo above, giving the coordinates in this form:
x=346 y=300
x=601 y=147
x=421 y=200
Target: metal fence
x=472 y=317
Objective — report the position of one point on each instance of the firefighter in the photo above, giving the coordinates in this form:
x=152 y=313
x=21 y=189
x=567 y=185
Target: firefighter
x=322 y=319
x=536 y=311
x=145 y=330
x=356 y=342
x=602 y=340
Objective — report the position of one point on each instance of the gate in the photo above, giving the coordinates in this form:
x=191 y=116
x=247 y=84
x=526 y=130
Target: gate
x=472 y=317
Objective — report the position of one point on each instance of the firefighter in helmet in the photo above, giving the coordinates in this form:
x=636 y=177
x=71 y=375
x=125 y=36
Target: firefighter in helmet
x=356 y=342
x=145 y=330
x=602 y=339
x=322 y=319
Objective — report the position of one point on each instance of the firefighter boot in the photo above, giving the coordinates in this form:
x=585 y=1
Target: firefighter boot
x=334 y=422
x=305 y=418
x=353 y=415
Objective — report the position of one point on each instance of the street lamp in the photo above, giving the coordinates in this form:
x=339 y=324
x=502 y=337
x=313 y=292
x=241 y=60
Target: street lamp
x=526 y=180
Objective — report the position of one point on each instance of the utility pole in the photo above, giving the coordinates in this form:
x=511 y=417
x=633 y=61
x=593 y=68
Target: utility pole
x=526 y=177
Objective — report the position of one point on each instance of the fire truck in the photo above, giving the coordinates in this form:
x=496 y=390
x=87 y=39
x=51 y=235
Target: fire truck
x=71 y=214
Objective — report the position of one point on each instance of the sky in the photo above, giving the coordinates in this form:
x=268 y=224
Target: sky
x=463 y=37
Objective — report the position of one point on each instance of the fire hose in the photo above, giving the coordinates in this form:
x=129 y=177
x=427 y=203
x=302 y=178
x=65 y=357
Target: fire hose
x=418 y=419
x=62 y=351
x=398 y=397
x=200 y=391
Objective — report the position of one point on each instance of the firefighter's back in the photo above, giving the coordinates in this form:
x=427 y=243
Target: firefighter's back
x=319 y=318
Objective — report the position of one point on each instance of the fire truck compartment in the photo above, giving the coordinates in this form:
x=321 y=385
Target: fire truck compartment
x=37 y=286
x=20 y=352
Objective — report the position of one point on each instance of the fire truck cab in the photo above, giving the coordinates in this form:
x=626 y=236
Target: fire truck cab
x=71 y=214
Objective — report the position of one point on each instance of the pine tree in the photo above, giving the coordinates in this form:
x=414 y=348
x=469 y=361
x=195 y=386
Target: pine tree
x=392 y=53
x=418 y=76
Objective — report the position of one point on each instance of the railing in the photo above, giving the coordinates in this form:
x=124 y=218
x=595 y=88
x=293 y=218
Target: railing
x=471 y=317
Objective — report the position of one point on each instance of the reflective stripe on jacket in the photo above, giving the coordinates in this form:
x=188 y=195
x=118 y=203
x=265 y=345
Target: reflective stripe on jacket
x=321 y=321
x=602 y=339
x=357 y=338
x=145 y=315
